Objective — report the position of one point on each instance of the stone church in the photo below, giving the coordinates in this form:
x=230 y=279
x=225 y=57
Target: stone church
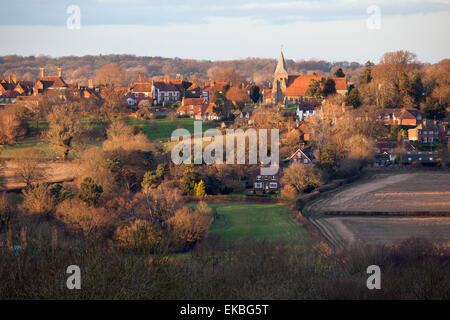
x=291 y=89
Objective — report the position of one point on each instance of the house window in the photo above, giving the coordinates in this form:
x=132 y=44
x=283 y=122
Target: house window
x=258 y=178
x=305 y=160
x=273 y=185
x=258 y=185
x=431 y=159
x=409 y=159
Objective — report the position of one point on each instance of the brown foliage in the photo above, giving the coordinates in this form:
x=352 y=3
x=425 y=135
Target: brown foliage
x=238 y=96
x=188 y=226
x=12 y=127
x=38 y=200
x=139 y=235
x=79 y=217
x=110 y=75
x=123 y=136
x=301 y=177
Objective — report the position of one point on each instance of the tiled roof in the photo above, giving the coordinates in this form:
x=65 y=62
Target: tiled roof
x=166 y=86
x=341 y=83
x=297 y=85
x=54 y=82
x=141 y=87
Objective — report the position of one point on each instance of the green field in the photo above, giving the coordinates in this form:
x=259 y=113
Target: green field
x=238 y=221
x=161 y=129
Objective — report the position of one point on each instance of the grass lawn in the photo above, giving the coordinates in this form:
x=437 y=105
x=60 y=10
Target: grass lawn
x=238 y=221
x=161 y=129
x=30 y=142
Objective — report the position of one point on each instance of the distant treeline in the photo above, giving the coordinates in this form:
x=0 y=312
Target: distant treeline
x=81 y=69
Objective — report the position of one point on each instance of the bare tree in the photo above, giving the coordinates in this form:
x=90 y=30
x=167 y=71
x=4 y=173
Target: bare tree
x=65 y=129
x=29 y=168
x=110 y=75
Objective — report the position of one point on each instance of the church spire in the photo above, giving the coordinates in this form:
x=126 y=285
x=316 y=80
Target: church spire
x=281 y=66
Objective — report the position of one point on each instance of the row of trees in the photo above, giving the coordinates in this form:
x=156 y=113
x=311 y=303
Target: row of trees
x=400 y=81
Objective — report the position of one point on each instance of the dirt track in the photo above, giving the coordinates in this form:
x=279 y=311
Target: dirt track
x=54 y=171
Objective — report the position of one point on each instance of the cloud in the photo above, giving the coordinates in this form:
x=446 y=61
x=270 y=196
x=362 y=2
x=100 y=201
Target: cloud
x=158 y=12
x=230 y=38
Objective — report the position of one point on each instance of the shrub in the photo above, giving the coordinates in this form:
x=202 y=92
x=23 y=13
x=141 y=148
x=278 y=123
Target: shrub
x=199 y=189
x=205 y=210
x=188 y=227
x=80 y=217
x=141 y=234
x=289 y=193
x=59 y=192
x=90 y=192
x=302 y=177
x=39 y=200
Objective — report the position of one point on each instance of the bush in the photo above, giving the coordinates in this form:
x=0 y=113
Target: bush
x=90 y=192
x=39 y=200
x=79 y=217
x=141 y=234
x=289 y=193
x=188 y=227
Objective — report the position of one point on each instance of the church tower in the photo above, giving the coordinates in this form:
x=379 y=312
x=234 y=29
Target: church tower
x=280 y=81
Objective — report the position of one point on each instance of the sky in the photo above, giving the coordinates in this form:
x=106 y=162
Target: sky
x=333 y=30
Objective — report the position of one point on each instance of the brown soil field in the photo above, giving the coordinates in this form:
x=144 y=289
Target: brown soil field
x=349 y=231
x=54 y=171
x=418 y=192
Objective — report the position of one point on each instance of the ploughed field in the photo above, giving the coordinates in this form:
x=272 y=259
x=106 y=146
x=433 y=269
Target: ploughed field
x=391 y=193
x=386 y=209
x=348 y=231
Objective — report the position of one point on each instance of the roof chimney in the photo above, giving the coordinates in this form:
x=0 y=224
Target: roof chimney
x=14 y=78
x=91 y=84
x=42 y=73
x=60 y=72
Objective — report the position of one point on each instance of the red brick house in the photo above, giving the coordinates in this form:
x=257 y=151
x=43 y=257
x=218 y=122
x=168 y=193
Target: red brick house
x=55 y=84
x=426 y=132
x=197 y=108
x=267 y=183
x=304 y=156
x=404 y=117
x=389 y=146
x=166 y=91
x=211 y=87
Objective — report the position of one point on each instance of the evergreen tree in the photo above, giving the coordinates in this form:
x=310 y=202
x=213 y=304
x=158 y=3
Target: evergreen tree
x=366 y=77
x=417 y=89
x=329 y=87
x=314 y=89
x=90 y=192
x=254 y=94
x=353 y=99
x=200 y=189
x=339 y=73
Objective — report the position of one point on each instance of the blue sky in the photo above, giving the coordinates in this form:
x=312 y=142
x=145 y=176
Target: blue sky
x=228 y=29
